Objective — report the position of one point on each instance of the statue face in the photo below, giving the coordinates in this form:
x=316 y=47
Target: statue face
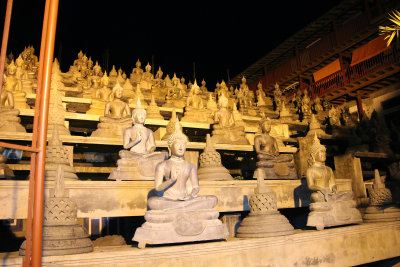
x=266 y=127
x=140 y=117
x=178 y=148
x=105 y=82
x=118 y=93
x=11 y=70
x=320 y=156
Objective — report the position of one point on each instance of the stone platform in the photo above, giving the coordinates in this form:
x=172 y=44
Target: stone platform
x=129 y=198
x=342 y=246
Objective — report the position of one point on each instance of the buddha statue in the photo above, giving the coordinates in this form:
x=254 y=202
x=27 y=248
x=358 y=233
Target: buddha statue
x=277 y=96
x=203 y=88
x=95 y=78
x=178 y=214
x=334 y=120
x=22 y=74
x=223 y=90
x=153 y=111
x=175 y=94
x=315 y=127
x=147 y=78
x=78 y=62
x=136 y=75
x=195 y=110
x=225 y=131
x=270 y=161
x=31 y=61
x=262 y=99
x=159 y=82
x=102 y=95
x=167 y=81
x=317 y=105
x=140 y=161
x=305 y=106
x=237 y=116
x=284 y=113
x=183 y=85
x=14 y=85
x=9 y=120
x=117 y=116
x=329 y=207
x=211 y=103
x=381 y=207
x=211 y=167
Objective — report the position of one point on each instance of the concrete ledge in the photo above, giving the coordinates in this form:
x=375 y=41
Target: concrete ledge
x=344 y=246
x=129 y=198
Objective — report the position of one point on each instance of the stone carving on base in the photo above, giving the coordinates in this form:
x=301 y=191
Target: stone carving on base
x=264 y=219
x=270 y=161
x=57 y=154
x=381 y=207
x=5 y=171
x=329 y=207
x=9 y=120
x=210 y=164
x=225 y=130
x=179 y=214
x=140 y=161
x=195 y=110
x=117 y=117
x=62 y=234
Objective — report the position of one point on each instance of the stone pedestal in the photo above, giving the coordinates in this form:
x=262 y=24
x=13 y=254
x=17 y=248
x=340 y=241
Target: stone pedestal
x=9 y=120
x=111 y=128
x=163 y=227
x=282 y=167
x=264 y=219
x=137 y=169
x=333 y=213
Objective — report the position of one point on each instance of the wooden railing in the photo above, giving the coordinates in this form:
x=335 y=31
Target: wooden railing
x=354 y=73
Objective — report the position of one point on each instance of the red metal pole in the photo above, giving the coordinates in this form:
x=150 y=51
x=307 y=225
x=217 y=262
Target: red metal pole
x=27 y=259
x=42 y=136
x=4 y=43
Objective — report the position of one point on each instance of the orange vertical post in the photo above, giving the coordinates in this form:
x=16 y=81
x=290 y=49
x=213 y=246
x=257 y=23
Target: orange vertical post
x=4 y=42
x=42 y=135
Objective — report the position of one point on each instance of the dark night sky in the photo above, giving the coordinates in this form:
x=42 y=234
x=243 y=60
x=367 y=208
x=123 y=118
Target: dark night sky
x=215 y=35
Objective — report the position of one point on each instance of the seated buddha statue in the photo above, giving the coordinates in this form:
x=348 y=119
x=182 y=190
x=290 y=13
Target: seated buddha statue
x=274 y=164
x=9 y=120
x=22 y=74
x=77 y=62
x=203 y=88
x=14 y=85
x=305 y=106
x=147 y=78
x=95 y=78
x=117 y=116
x=100 y=98
x=140 y=161
x=195 y=110
x=329 y=207
x=137 y=72
x=211 y=103
x=225 y=131
x=277 y=96
x=159 y=82
x=175 y=94
x=178 y=213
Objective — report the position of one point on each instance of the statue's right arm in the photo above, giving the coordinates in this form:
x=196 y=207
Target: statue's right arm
x=310 y=182
x=107 y=109
x=159 y=177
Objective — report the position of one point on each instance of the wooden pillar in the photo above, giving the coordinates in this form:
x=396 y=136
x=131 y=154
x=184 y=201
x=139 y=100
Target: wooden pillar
x=359 y=106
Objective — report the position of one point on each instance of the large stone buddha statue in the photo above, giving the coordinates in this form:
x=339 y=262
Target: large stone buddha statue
x=117 y=116
x=225 y=131
x=101 y=96
x=195 y=110
x=14 y=85
x=329 y=207
x=273 y=164
x=179 y=214
x=138 y=158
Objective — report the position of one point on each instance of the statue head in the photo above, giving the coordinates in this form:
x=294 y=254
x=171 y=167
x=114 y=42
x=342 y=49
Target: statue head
x=265 y=125
x=317 y=151
x=11 y=68
x=138 y=64
x=223 y=101
x=177 y=141
x=183 y=80
x=148 y=67
x=97 y=68
x=104 y=80
x=243 y=80
x=19 y=61
x=195 y=88
x=139 y=113
x=90 y=63
x=84 y=58
x=175 y=80
x=117 y=91
x=203 y=82
x=259 y=85
x=80 y=54
x=276 y=86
